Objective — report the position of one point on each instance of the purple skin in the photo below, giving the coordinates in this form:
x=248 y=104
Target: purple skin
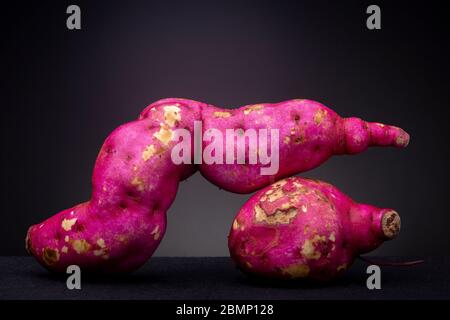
x=135 y=181
x=306 y=229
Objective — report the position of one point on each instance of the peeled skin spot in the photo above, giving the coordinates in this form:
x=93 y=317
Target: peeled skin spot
x=317 y=244
x=135 y=181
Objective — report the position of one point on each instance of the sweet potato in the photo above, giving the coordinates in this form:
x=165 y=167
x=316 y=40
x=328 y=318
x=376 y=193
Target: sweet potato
x=306 y=229
x=135 y=179
x=309 y=134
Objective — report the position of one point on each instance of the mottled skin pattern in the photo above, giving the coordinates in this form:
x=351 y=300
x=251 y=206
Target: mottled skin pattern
x=306 y=229
x=135 y=181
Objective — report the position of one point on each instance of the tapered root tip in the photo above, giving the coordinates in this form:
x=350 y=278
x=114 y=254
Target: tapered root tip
x=391 y=224
x=402 y=139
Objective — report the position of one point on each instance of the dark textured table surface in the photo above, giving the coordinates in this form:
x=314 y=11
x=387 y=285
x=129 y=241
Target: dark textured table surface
x=216 y=278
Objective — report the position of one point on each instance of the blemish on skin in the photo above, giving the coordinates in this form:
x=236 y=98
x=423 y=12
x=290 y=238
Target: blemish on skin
x=172 y=115
x=319 y=116
x=148 y=152
x=279 y=217
x=297 y=185
x=306 y=230
x=221 y=114
x=66 y=238
x=252 y=108
x=67 y=224
x=122 y=238
x=164 y=134
x=357 y=139
x=332 y=237
x=102 y=251
x=236 y=224
x=401 y=141
x=277 y=194
x=321 y=196
x=104 y=189
x=292 y=131
x=155 y=233
x=101 y=243
x=138 y=183
x=342 y=267
x=287 y=139
x=64 y=249
x=50 y=256
x=249 y=265
x=299 y=140
x=280 y=184
x=304 y=209
x=270 y=191
x=309 y=250
x=297 y=270
x=80 y=246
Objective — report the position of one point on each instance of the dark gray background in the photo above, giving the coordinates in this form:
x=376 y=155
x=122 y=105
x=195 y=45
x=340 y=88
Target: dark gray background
x=65 y=91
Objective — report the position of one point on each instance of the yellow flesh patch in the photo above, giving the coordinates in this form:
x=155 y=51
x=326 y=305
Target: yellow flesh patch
x=164 y=134
x=148 y=152
x=318 y=117
x=67 y=224
x=287 y=210
x=101 y=243
x=279 y=217
x=280 y=184
x=139 y=183
x=297 y=270
x=171 y=115
x=80 y=246
x=252 y=108
x=332 y=237
x=222 y=114
x=277 y=194
x=308 y=248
